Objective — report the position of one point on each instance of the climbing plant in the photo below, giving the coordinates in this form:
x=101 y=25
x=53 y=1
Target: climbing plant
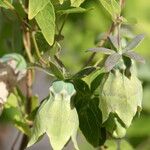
x=100 y=100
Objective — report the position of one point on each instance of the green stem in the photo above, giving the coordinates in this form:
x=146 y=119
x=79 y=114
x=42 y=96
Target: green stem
x=37 y=49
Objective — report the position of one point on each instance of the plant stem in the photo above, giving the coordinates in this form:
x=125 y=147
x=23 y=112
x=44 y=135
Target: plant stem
x=37 y=49
x=100 y=44
x=27 y=46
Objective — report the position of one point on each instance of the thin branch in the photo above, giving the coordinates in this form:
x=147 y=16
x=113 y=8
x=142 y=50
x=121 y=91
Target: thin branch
x=100 y=44
x=37 y=49
x=62 y=26
x=15 y=141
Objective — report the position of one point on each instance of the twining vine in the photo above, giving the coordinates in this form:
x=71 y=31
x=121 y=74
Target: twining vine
x=102 y=109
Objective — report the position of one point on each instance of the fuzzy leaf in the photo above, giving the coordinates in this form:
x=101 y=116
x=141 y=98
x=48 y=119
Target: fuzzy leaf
x=133 y=55
x=56 y=117
x=102 y=50
x=35 y=6
x=114 y=41
x=134 y=43
x=85 y=72
x=121 y=96
x=111 y=61
x=46 y=21
x=76 y=3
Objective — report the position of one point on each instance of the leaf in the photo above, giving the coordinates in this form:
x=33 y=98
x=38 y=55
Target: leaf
x=42 y=43
x=89 y=114
x=107 y=5
x=3 y=4
x=61 y=1
x=116 y=7
x=134 y=42
x=111 y=61
x=73 y=10
x=114 y=41
x=90 y=118
x=112 y=6
x=35 y=6
x=96 y=82
x=102 y=50
x=133 y=55
x=55 y=70
x=85 y=72
x=56 y=117
x=121 y=96
x=76 y=3
x=46 y=21
x=14 y=112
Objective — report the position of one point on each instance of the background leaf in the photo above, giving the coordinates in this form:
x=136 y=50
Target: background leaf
x=35 y=6
x=46 y=21
x=76 y=3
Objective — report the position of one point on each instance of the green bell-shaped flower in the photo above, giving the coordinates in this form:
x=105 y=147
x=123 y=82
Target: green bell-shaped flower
x=121 y=96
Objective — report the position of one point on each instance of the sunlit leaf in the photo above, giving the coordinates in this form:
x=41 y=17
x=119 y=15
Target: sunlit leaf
x=61 y=1
x=46 y=21
x=35 y=6
x=76 y=3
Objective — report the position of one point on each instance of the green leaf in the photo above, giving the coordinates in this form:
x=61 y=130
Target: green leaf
x=120 y=95
x=76 y=3
x=133 y=55
x=55 y=70
x=73 y=10
x=111 y=61
x=96 y=82
x=14 y=112
x=112 y=7
x=46 y=21
x=3 y=4
x=35 y=6
x=102 y=50
x=56 y=117
x=42 y=43
x=116 y=7
x=90 y=116
x=61 y=1
x=134 y=42
x=84 y=72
